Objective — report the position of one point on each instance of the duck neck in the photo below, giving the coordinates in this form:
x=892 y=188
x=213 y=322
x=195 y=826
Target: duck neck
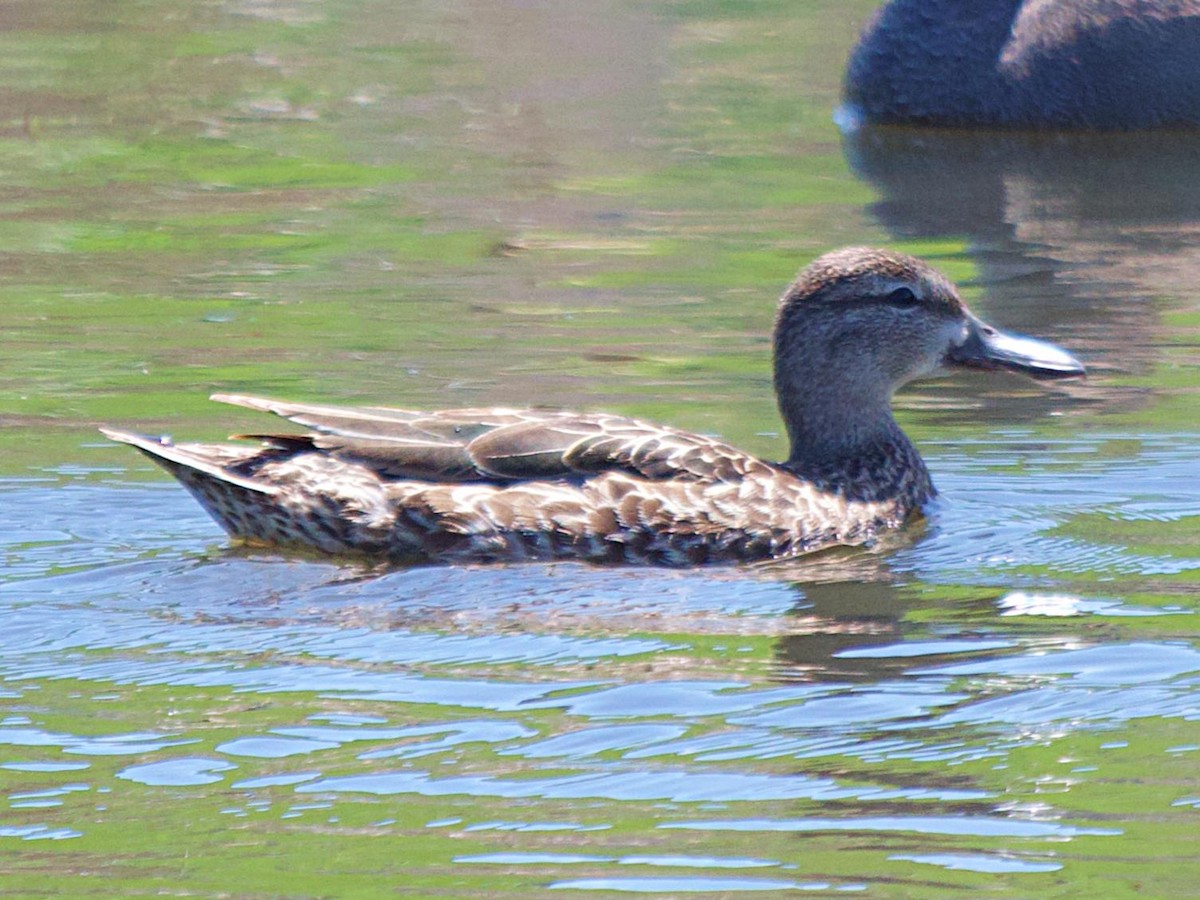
x=853 y=447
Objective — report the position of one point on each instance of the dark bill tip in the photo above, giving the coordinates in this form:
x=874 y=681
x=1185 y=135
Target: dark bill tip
x=989 y=348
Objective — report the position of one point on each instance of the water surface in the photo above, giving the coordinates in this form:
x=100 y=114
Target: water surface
x=589 y=205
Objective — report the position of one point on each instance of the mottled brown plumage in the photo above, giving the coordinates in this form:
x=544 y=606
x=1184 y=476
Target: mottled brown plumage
x=508 y=484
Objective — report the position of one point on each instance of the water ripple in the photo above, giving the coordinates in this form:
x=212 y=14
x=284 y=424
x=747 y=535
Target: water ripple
x=626 y=784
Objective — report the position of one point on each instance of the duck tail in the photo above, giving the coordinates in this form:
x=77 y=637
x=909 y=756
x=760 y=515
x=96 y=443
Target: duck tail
x=247 y=508
x=190 y=462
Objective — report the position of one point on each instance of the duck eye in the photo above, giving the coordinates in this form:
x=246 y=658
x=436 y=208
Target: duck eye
x=902 y=297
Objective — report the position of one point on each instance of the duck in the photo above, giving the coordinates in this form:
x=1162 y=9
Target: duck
x=1095 y=65
x=509 y=485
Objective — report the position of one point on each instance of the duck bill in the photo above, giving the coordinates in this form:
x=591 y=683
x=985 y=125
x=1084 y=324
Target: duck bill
x=985 y=347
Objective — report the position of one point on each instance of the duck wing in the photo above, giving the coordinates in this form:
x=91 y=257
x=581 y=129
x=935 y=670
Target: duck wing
x=500 y=445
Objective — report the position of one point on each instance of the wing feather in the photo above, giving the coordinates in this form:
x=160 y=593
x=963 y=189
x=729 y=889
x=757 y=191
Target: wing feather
x=501 y=445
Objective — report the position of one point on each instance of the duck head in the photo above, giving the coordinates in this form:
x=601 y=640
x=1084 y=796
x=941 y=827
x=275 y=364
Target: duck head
x=857 y=324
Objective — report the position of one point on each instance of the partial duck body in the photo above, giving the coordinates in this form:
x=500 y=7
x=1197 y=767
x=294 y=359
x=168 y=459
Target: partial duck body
x=510 y=485
x=1033 y=64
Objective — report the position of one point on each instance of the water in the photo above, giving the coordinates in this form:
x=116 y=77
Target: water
x=589 y=205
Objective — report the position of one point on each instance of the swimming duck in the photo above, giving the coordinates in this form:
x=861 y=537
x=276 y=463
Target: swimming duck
x=510 y=484
x=1090 y=64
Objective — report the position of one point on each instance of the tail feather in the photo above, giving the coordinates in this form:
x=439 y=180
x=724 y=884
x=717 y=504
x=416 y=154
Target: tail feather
x=303 y=412
x=184 y=460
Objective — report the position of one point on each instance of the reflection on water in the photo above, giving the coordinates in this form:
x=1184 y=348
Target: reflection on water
x=1075 y=234
x=593 y=204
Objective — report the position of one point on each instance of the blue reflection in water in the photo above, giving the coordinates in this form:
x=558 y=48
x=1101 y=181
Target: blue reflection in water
x=1119 y=664
x=681 y=885
x=978 y=862
x=44 y=766
x=178 y=772
x=991 y=522
x=104 y=745
x=693 y=862
x=38 y=832
x=980 y=826
x=275 y=780
x=533 y=826
x=272 y=747
x=589 y=742
x=626 y=784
